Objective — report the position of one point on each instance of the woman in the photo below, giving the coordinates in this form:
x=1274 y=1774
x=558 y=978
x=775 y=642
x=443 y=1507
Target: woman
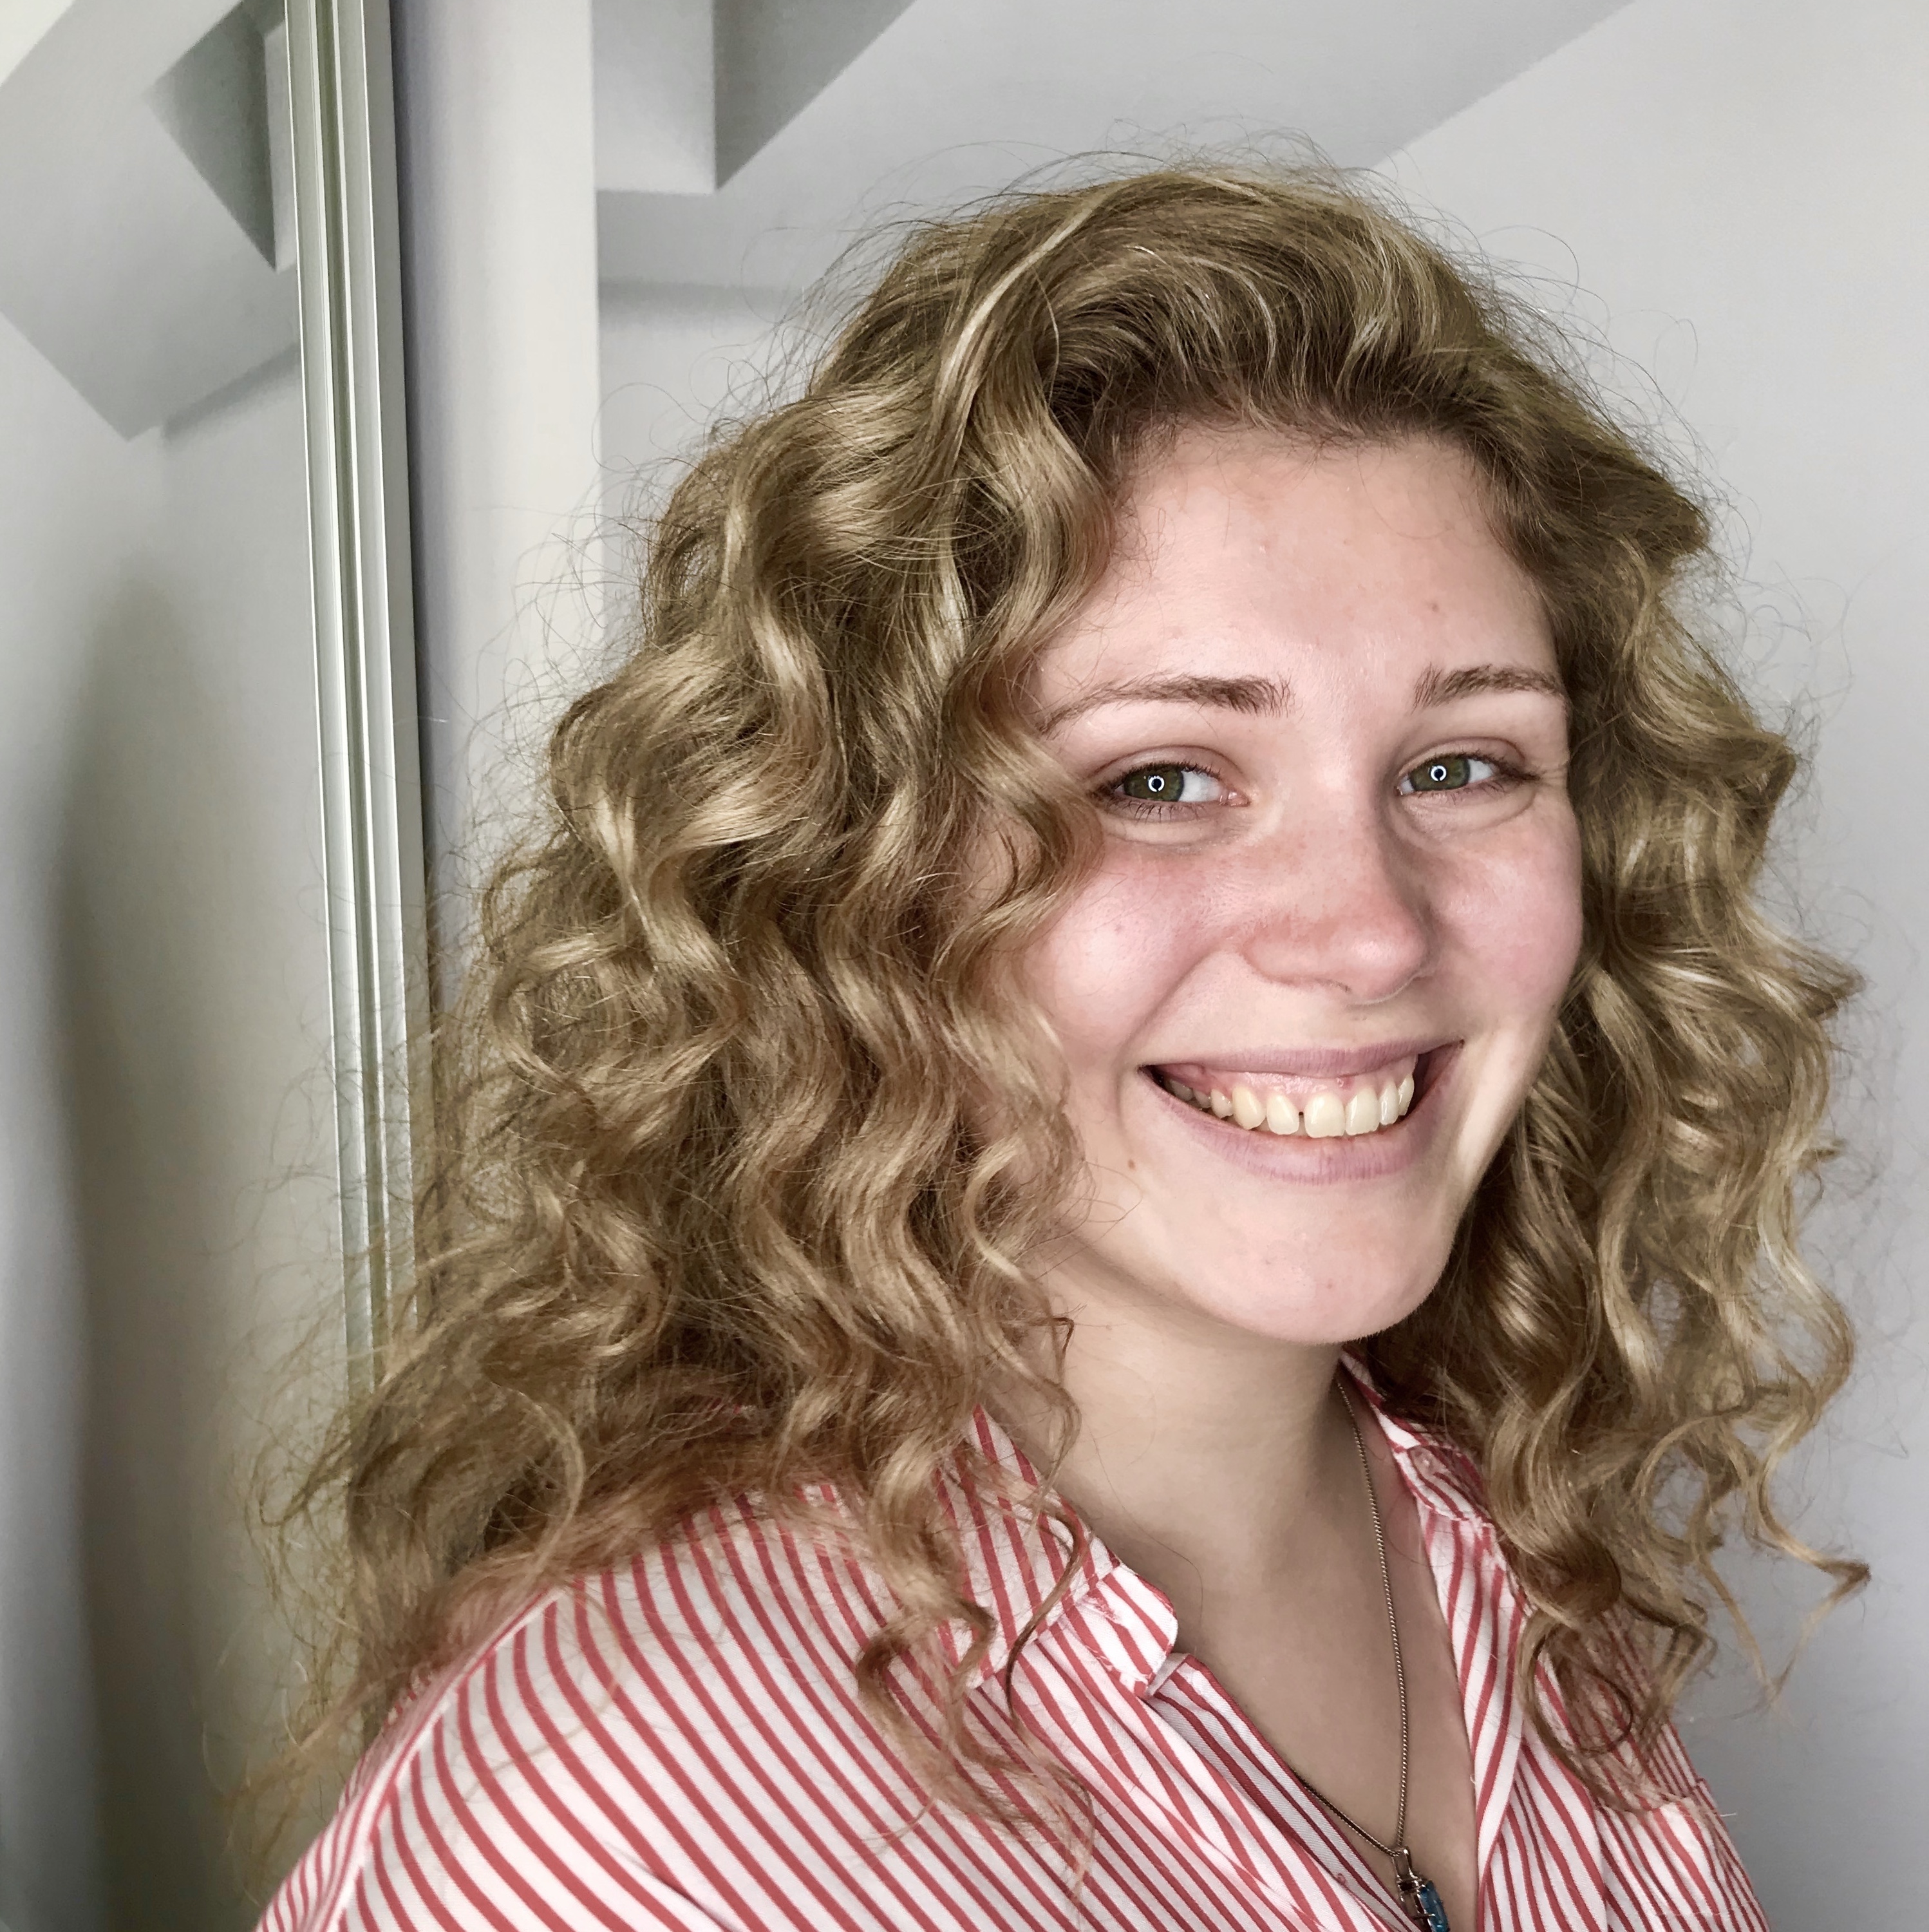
x=1128 y=1212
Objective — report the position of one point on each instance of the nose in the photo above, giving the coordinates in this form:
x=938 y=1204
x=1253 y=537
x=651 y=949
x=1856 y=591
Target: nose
x=1337 y=904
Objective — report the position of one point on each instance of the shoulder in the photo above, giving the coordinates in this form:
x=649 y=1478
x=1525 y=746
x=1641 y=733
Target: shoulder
x=1671 y=1860
x=645 y=1747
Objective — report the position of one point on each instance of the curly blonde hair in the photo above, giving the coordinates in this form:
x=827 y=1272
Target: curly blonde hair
x=752 y=1144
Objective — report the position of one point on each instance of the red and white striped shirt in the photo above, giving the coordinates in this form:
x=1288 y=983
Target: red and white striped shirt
x=679 y=1743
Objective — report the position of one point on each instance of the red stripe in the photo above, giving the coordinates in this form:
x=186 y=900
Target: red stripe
x=670 y=1795
x=680 y=1745
x=767 y=1726
x=781 y=1701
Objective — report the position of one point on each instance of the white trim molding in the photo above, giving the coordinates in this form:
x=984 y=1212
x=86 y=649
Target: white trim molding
x=349 y=267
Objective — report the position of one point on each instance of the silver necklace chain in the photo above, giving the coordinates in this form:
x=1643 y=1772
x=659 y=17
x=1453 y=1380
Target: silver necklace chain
x=1417 y=1894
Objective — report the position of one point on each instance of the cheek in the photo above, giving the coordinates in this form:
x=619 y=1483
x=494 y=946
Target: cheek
x=1516 y=921
x=1102 y=970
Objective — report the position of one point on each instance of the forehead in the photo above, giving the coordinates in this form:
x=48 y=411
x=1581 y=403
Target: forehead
x=1250 y=552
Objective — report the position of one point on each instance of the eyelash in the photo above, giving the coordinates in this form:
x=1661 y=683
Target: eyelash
x=1505 y=773
x=1154 y=809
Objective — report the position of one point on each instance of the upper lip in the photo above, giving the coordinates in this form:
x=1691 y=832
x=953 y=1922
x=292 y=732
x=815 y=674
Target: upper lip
x=1309 y=1063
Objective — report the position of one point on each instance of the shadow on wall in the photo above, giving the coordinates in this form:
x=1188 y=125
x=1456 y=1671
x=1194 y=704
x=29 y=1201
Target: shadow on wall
x=193 y=981
x=142 y=1040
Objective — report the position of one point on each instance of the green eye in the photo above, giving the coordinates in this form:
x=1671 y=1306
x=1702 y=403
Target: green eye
x=1454 y=771
x=1155 y=785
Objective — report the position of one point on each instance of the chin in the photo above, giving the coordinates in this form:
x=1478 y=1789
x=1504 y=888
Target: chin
x=1317 y=1310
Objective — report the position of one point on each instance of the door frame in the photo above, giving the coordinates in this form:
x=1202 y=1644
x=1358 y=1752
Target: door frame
x=349 y=268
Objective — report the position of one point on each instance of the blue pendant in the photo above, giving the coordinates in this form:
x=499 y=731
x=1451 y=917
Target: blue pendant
x=1416 y=1893
x=1427 y=1910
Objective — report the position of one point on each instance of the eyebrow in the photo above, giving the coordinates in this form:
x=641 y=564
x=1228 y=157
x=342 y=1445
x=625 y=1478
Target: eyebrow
x=1255 y=696
x=1436 y=686
x=1261 y=697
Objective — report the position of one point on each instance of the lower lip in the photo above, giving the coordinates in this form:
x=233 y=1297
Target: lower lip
x=1387 y=1150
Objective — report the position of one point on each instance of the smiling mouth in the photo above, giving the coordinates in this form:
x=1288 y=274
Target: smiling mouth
x=1328 y=1108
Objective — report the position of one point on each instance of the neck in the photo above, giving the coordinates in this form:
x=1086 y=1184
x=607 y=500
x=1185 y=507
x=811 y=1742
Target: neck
x=1204 y=1454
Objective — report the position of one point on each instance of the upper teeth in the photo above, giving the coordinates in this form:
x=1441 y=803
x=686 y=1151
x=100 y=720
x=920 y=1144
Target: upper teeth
x=1356 y=1106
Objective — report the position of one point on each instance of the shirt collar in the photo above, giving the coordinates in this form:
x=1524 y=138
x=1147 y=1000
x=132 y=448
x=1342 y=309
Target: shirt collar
x=1444 y=1478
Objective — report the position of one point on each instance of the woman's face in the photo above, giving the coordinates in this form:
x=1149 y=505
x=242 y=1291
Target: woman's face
x=1309 y=983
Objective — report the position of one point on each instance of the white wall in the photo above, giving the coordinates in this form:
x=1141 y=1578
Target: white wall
x=197 y=1010
x=164 y=1129
x=496 y=144
x=674 y=362
x=1732 y=186
x=166 y=1141
x=75 y=504
x=22 y=24
x=954 y=98
x=165 y=1204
